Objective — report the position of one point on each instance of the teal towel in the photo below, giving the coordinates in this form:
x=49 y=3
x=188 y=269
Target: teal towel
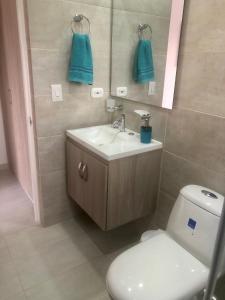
x=81 y=62
x=143 y=70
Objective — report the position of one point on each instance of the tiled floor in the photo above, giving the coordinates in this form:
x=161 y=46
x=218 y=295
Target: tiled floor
x=67 y=261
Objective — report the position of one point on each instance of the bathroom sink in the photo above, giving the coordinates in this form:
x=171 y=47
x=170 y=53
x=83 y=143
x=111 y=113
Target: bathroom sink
x=110 y=143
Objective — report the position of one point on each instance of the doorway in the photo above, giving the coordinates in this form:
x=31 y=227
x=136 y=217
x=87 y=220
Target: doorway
x=20 y=165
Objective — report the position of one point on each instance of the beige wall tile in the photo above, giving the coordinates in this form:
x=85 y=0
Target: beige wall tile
x=50 y=24
x=178 y=172
x=51 y=151
x=204 y=26
x=49 y=67
x=74 y=112
x=195 y=141
x=105 y=3
x=46 y=23
x=158 y=121
x=100 y=20
x=197 y=137
x=200 y=83
x=54 y=190
x=56 y=204
x=154 y=7
x=165 y=205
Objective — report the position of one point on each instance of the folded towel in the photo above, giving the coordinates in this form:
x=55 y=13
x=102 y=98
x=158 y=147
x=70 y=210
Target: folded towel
x=81 y=62
x=143 y=70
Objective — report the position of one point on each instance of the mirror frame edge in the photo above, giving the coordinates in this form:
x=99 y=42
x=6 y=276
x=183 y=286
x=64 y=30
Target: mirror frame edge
x=172 y=53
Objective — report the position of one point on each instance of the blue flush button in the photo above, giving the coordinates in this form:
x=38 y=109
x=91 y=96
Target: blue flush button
x=192 y=223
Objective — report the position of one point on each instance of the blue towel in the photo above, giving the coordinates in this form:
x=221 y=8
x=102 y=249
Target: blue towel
x=143 y=70
x=81 y=62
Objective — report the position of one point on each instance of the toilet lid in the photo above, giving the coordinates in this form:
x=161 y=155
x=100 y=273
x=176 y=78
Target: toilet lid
x=157 y=269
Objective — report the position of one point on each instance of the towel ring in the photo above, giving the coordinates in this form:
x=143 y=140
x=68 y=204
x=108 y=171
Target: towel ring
x=141 y=30
x=78 y=19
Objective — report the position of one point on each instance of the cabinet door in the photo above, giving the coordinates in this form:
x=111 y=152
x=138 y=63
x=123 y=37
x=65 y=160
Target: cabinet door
x=95 y=189
x=146 y=183
x=133 y=188
x=74 y=181
x=121 y=191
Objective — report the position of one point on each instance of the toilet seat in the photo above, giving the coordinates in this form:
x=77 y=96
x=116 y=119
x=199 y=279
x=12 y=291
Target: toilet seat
x=157 y=269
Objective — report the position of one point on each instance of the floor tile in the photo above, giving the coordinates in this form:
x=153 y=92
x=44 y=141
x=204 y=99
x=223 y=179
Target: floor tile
x=66 y=261
x=9 y=281
x=36 y=239
x=57 y=258
x=81 y=283
x=4 y=255
x=16 y=210
x=20 y=296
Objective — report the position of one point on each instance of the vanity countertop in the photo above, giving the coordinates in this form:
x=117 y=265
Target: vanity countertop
x=110 y=143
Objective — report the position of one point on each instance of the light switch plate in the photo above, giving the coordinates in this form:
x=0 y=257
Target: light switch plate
x=57 y=92
x=152 y=88
x=97 y=92
x=121 y=91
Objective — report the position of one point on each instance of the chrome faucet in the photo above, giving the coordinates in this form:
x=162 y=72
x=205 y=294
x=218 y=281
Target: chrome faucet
x=120 y=123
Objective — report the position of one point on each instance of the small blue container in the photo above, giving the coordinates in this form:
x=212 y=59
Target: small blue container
x=146 y=134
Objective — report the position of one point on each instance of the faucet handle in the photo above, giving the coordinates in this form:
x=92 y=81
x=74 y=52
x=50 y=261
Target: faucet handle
x=114 y=108
x=118 y=107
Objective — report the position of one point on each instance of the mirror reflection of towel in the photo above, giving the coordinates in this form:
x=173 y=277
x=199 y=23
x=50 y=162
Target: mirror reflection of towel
x=81 y=61
x=143 y=71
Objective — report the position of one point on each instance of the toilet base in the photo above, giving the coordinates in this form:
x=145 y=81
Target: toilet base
x=149 y=234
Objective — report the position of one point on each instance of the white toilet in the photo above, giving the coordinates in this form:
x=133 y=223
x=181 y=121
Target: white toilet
x=172 y=264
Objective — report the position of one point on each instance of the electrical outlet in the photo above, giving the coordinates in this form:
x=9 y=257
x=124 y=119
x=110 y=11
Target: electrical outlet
x=97 y=92
x=121 y=91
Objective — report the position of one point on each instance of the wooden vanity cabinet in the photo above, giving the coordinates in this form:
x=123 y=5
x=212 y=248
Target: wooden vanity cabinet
x=113 y=192
x=89 y=192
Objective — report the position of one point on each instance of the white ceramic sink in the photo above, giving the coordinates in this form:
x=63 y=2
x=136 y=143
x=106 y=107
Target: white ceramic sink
x=110 y=143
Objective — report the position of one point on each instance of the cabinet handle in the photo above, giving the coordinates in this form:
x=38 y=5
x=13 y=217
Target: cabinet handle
x=80 y=168
x=85 y=172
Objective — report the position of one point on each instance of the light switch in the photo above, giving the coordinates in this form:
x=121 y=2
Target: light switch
x=121 y=91
x=57 y=92
x=97 y=92
x=152 y=88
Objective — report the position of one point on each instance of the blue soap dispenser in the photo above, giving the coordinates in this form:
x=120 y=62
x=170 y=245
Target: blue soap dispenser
x=146 y=129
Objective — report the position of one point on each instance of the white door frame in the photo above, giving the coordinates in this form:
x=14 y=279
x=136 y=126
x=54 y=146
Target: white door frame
x=28 y=96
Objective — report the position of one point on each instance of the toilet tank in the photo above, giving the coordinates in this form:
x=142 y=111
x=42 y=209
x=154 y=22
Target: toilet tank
x=194 y=221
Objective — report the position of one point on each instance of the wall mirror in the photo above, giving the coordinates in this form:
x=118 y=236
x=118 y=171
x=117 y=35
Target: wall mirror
x=145 y=45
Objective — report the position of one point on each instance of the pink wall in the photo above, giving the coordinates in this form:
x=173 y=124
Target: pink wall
x=3 y=155
x=12 y=94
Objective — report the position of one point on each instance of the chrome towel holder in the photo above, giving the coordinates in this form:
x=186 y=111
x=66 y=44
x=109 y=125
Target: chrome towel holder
x=77 y=19
x=142 y=29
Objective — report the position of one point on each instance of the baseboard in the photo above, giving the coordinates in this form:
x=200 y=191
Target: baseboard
x=4 y=167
